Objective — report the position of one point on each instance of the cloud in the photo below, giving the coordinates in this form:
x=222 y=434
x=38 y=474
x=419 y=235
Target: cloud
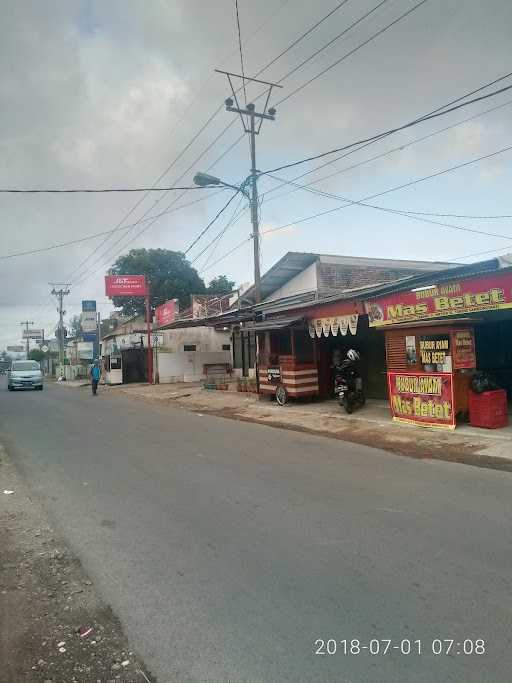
x=108 y=94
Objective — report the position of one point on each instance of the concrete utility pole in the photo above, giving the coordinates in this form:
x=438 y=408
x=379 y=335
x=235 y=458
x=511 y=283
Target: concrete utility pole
x=27 y=345
x=60 y=294
x=250 y=112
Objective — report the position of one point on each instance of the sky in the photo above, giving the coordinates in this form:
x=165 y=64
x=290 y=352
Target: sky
x=112 y=95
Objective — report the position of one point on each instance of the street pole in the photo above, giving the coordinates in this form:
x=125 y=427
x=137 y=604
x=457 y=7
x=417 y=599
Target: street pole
x=150 y=350
x=27 y=345
x=60 y=294
x=157 y=370
x=267 y=114
x=254 y=210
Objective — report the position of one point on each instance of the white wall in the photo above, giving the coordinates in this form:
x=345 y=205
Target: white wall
x=305 y=281
x=177 y=365
x=187 y=366
x=206 y=339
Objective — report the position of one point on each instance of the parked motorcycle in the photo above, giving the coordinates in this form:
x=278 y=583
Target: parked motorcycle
x=348 y=384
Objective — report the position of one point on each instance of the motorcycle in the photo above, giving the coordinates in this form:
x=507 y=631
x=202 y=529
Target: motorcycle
x=348 y=385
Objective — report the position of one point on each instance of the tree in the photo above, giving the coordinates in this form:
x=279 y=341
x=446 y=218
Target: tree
x=76 y=326
x=169 y=273
x=36 y=354
x=220 y=285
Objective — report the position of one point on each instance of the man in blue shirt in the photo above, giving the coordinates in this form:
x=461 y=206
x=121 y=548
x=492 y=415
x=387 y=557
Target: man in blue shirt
x=95 y=377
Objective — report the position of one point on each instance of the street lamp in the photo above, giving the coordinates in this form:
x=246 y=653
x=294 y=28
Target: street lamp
x=206 y=180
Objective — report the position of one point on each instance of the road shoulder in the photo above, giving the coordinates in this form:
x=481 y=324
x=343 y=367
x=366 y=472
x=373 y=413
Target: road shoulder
x=53 y=625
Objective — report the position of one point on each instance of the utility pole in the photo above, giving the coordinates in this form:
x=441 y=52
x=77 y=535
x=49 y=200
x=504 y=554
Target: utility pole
x=250 y=112
x=27 y=345
x=60 y=294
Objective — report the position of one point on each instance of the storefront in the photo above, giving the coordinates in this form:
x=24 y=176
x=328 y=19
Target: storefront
x=438 y=335
x=297 y=354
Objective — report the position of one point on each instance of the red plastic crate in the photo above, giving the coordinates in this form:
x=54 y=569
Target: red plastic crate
x=488 y=409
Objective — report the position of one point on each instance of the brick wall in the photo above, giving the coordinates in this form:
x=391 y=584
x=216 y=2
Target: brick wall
x=332 y=277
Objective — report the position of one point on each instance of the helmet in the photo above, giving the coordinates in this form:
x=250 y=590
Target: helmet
x=353 y=355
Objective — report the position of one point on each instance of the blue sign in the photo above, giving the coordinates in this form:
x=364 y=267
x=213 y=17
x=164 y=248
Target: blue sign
x=89 y=336
x=88 y=305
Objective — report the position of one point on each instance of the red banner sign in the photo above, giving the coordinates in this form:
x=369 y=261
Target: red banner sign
x=486 y=293
x=463 y=349
x=422 y=398
x=125 y=285
x=166 y=313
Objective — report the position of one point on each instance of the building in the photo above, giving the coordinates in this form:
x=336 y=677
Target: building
x=441 y=328
x=301 y=293
x=186 y=351
x=124 y=352
x=182 y=351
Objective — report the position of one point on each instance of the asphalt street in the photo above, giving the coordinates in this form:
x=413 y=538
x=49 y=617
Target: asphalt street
x=231 y=550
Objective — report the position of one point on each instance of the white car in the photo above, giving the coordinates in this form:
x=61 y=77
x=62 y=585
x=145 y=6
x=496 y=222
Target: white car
x=25 y=374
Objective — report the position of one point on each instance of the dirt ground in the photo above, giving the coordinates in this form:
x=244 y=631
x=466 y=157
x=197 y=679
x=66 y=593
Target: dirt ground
x=53 y=626
x=371 y=426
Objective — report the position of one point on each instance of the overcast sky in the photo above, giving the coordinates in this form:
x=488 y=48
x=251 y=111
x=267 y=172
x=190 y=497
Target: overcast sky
x=108 y=94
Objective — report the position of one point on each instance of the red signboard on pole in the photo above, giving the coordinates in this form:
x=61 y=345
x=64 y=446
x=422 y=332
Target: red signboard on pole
x=125 y=285
x=423 y=398
x=133 y=285
x=483 y=293
x=166 y=313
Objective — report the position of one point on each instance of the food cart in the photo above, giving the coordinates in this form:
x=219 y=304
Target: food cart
x=286 y=364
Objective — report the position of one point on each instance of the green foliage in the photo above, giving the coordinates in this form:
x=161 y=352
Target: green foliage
x=220 y=285
x=170 y=275
x=36 y=354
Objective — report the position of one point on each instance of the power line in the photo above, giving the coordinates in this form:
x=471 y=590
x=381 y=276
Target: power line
x=87 y=238
x=218 y=238
x=84 y=276
x=389 y=132
x=209 y=120
x=377 y=156
x=240 y=49
x=217 y=215
x=215 y=241
x=392 y=189
x=401 y=213
x=95 y=191
x=299 y=39
x=177 y=158
x=481 y=253
x=455 y=215
x=302 y=36
x=231 y=251
x=355 y=49
x=328 y=44
x=400 y=147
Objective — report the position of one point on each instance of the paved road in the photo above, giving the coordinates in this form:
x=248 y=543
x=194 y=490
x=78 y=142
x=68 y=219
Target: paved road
x=227 y=549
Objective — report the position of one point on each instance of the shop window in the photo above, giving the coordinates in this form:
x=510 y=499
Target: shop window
x=226 y=347
x=189 y=347
x=115 y=362
x=435 y=353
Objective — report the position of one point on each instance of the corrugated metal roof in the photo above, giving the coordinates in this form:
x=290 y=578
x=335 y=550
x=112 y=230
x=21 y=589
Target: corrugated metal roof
x=273 y=324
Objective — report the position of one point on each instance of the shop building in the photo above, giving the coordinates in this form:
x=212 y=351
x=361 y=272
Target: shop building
x=124 y=353
x=439 y=330
x=187 y=349
x=312 y=312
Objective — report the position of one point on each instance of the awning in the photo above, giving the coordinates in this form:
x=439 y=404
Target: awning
x=272 y=324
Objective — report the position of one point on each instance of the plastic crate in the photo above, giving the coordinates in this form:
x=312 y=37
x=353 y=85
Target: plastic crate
x=488 y=409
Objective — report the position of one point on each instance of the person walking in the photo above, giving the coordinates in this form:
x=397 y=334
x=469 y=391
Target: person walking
x=95 y=377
